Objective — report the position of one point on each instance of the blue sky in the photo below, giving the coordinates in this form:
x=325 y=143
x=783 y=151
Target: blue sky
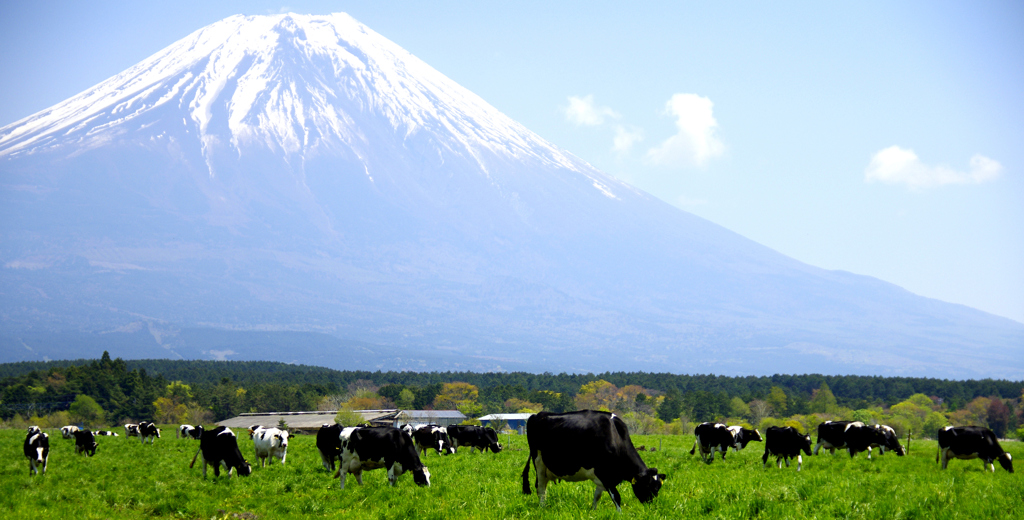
x=885 y=139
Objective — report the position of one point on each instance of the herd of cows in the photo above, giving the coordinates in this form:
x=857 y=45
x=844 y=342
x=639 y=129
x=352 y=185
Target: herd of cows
x=573 y=446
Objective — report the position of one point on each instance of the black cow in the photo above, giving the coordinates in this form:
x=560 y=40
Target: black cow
x=220 y=447
x=861 y=437
x=831 y=436
x=711 y=438
x=785 y=442
x=329 y=444
x=85 y=442
x=476 y=437
x=433 y=436
x=148 y=431
x=742 y=436
x=381 y=447
x=972 y=442
x=587 y=445
x=37 y=450
x=889 y=441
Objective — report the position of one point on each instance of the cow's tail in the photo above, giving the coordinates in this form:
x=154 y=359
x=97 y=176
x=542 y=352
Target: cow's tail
x=526 y=475
x=194 y=457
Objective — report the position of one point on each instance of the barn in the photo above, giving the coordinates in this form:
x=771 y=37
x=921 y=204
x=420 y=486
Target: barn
x=512 y=421
x=310 y=422
x=438 y=417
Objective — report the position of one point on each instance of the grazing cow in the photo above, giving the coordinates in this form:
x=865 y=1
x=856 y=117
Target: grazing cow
x=85 y=442
x=785 y=443
x=742 y=436
x=861 y=437
x=68 y=432
x=37 y=450
x=328 y=442
x=587 y=445
x=831 y=436
x=476 y=437
x=148 y=431
x=220 y=447
x=270 y=443
x=433 y=436
x=889 y=441
x=711 y=438
x=380 y=447
x=131 y=430
x=187 y=431
x=105 y=433
x=972 y=442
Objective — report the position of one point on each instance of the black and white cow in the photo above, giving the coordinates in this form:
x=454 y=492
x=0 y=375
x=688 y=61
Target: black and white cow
x=380 y=447
x=889 y=441
x=785 y=442
x=831 y=436
x=711 y=438
x=37 y=450
x=270 y=443
x=148 y=431
x=861 y=437
x=587 y=445
x=433 y=437
x=972 y=442
x=187 y=431
x=131 y=430
x=68 y=432
x=85 y=442
x=328 y=444
x=742 y=436
x=476 y=437
x=220 y=448
x=105 y=433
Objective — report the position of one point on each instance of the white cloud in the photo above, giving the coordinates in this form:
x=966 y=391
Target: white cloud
x=625 y=138
x=895 y=165
x=582 y=111
x=695 y=142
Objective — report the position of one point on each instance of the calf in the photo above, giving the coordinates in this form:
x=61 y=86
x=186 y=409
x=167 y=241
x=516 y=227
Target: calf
x=220 y=447
x=784 y=442
x=742 y=436
x=68 y=432
x=187 y=431
x=37 y=450
x=380 y=447
x=85 y=442
x=148 y=431
x=711 y=438
x=106 y=433
x=433 y=436
x=328 y=443
x=972 y=442
x=587 y=445
x=270 y=443
x=476 y=437
x=131 y=430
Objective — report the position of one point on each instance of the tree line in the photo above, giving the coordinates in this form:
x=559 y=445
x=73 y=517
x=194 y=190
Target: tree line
x=205 y=391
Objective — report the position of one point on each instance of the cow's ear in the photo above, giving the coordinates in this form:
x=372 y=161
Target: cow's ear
x=662 y=476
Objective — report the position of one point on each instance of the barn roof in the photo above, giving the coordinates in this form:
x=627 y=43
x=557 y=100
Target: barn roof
x=300 y=420
x=506 y=417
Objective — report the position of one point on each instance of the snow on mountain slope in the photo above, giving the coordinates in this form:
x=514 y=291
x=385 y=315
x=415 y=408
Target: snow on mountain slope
x=297 y=84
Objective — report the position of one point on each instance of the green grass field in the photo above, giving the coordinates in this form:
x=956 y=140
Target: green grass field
x=129 y=480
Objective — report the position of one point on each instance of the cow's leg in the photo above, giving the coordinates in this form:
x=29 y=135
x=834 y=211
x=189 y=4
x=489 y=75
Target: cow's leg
x=284 y=454
x=817 y=447
x=542 y=484
x=359 y=476
x=945 y=458
x=869 y=452
x=391 y=475
x=764 y=459
x=799 y=461
x=938 y=453
x=204 y=468
x=616 y=498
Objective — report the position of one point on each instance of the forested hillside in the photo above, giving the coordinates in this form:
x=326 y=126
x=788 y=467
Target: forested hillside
x=206 y=391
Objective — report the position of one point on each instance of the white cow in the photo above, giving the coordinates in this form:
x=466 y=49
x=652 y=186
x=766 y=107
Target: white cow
x=68 y=432
x=270 y=443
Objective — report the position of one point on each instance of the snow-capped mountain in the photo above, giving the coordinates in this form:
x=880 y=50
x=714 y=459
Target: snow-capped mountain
x=304 y=173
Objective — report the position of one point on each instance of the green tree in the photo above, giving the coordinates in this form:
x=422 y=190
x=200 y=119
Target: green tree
x=738 y=409
x=405 y=399
x=822 y=400
x=86 y=410
x=778 y=401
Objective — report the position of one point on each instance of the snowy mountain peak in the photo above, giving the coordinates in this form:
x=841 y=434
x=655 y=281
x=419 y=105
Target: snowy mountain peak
x=295 y=84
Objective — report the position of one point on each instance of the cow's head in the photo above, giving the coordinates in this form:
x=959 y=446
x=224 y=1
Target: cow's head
x=647 y=484
x=755 y=435
x=805 y=444
x=1006 y=461
x=33 y=430
x=282 y=439
x=421 y=476
x=252 y=430
x=244 y=469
